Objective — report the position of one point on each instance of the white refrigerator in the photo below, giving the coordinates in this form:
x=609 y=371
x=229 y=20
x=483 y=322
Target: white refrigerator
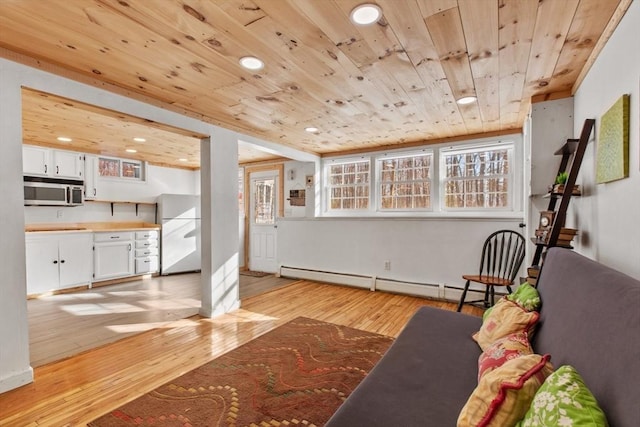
x=180 y=236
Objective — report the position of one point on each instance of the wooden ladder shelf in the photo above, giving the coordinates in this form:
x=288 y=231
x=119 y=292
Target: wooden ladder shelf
x=573 y=148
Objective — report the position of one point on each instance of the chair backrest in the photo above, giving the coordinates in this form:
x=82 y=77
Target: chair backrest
x=502 y=255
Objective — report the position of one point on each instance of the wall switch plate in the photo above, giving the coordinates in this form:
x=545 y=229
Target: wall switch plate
x=387 y=265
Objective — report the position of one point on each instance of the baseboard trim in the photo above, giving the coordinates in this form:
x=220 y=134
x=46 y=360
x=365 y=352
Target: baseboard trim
x=17 y=380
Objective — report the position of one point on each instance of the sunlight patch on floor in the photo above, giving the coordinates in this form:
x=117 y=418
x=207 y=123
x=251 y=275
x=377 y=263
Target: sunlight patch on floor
x=173 y=304
x=142 y=327
x=107 y=308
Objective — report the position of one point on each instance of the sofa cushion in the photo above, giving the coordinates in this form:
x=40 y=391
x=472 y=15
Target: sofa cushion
x=564 y=400
x=506 y=318
x=424 y=378
x=526 y=296
x=590 y=319
x=507 y=348
x=503 y=395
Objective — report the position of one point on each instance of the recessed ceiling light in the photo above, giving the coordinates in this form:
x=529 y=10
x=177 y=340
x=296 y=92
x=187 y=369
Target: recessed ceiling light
x=131 y=150
x=311 y=129
x=466 y=100
x=182 y=159
x=64 y=139
x=366 y=14
x=251 y=63
x=138 y=139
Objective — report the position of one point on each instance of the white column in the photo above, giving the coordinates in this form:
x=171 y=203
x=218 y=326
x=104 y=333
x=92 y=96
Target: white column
x=219 y=211
x=15 y=369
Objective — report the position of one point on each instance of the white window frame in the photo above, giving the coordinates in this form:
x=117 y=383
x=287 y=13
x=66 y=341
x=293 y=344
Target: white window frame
x=120 y=177
x=516 y=185
x=327 y=164
x=402 y=155
x=472 y=148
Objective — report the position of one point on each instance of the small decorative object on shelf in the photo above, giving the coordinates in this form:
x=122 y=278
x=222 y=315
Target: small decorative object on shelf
x=558 y=187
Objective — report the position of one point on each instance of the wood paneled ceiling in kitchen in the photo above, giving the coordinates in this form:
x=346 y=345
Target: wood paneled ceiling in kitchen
x=363 y=87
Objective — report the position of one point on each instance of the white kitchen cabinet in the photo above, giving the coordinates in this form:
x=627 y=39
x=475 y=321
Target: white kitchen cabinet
x=35 y=160
x=68 y=164
x=90 y=177
x=57 y=261
x=113 y=255
x=147 y=251
x=40 y=161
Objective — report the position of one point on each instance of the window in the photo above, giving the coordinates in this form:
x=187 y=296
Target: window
x=478 y=178
x=348 y=185
x=265 y=201
x=241 y=192
x=405 y=182
x=132 y=170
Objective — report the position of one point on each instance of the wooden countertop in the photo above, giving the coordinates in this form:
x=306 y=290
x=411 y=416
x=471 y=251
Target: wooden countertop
x=91 y=226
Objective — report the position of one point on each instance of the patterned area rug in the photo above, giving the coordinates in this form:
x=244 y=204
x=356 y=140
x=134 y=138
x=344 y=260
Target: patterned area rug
x=297 y=374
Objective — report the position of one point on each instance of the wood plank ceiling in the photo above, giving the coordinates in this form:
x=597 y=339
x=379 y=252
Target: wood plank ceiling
x=364 y=87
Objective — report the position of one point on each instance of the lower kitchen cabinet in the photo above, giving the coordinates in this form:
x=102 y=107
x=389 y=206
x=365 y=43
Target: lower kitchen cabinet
x=58 y=261
x=147 y=251
x=113 y=255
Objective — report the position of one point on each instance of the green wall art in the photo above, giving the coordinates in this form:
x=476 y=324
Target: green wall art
x=612 y=156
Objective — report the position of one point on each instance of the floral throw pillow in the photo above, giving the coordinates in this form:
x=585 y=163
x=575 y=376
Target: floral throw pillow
x=526 y=296
x=507 y=348
x=506 y=318
x=504 y=395
x=564 y=400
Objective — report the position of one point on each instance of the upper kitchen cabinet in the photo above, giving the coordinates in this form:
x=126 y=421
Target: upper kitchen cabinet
x=35 y=161
x=40 y=161
x=91 y=177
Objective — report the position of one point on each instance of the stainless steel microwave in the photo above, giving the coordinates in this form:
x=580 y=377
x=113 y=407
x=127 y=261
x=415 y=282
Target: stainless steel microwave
x=52 y=192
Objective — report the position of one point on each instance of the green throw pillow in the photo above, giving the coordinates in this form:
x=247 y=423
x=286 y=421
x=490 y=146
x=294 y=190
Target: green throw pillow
x=564 y=400
x=526 y=296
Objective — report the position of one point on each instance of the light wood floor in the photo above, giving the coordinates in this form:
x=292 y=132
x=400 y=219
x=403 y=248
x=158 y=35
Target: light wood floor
x=64 y=325
x=78 y=389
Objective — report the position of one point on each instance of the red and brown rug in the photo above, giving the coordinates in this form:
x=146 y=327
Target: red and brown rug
x=297 y=374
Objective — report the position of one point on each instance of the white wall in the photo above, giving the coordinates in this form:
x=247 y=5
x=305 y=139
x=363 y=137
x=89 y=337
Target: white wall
x=432 y=251
x=14 y=331
x=220 y=186
x=610 y=213
x=300 y=171
x=159 y=180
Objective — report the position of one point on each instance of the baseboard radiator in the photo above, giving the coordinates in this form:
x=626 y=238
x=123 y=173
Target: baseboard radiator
x=373 y=283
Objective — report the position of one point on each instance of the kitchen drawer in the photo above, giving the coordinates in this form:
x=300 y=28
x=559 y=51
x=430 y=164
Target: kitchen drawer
x=146 y=252
x=147 y=265
x=149 y=234
x=113 y=236
x=151 y=243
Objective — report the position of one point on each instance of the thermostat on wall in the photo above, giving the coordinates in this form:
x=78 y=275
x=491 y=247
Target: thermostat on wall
x=309 y=180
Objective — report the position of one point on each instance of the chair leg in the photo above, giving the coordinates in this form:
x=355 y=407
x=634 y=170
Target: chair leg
x=486 y=296
x=464 y=294
x=493 y=296
x=509 y=289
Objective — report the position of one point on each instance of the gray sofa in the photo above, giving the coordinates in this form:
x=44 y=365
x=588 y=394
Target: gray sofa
x=590 y=319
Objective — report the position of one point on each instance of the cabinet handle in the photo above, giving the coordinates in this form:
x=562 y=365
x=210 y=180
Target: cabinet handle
x=147 y=261
x=129 y=247
x=57 y=170
x=61 y=261
x=94 y=191
x=115 y=237
x=45 y=168
x=55 y=261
